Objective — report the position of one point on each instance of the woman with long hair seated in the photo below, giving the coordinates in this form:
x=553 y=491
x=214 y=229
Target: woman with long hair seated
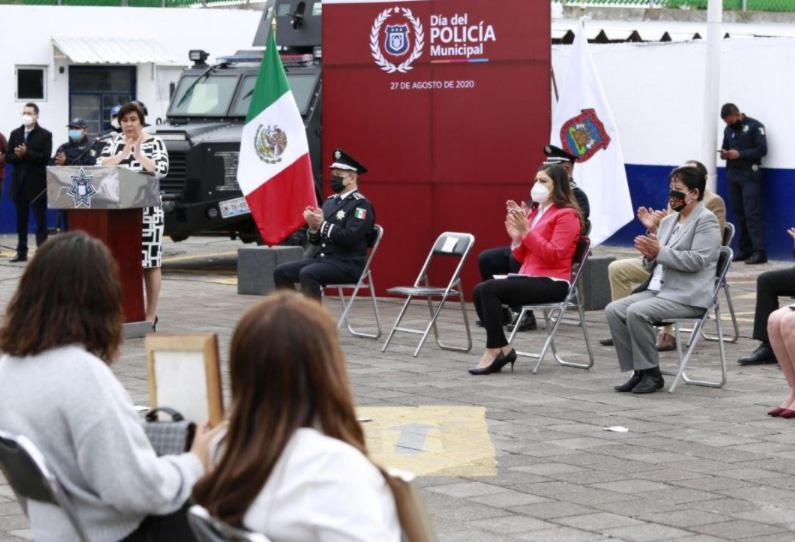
x=293 y=463
x=544 y=239
x=61 y=332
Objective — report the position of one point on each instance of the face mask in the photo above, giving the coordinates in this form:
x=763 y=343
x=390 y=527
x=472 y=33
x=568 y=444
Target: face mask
x=337 y=184
x=75 y=135
x=115 y=123
x=27 y=120
x=677 y=200
x=539 y=193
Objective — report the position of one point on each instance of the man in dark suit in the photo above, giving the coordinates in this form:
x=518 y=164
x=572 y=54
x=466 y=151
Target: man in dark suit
x=343 y=229
x=29 y=149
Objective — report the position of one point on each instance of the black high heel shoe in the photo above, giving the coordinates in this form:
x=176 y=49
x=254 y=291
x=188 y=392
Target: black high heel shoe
x=154 y=325
x=496 y=366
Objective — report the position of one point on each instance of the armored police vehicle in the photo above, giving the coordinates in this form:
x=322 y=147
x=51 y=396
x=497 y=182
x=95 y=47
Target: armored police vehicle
x=205 y=120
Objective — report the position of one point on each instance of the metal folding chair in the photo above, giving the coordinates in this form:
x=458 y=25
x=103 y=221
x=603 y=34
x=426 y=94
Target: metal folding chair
x=728 y=235
x=26 y=470
x=449 y=244
x=724 y=262
x=209 y=529
x=365 y=282
x=554 y=313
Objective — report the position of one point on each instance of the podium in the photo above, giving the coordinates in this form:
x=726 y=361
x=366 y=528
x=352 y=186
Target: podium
x=107 y=203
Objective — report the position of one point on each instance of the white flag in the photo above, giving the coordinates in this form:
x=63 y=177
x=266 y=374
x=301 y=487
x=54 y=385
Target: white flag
x=583 y=125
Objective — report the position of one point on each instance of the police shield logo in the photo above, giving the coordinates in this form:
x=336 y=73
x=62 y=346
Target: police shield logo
x=397 y=39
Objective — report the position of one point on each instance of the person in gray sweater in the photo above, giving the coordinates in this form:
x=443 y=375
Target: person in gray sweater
x=61 y=331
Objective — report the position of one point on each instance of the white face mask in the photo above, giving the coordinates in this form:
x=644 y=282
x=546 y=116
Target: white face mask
x=539 y=193
x=27 y=120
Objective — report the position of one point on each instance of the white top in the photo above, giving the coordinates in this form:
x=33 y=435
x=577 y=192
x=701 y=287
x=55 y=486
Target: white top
x=324 y=490
x=70 y=405
x=656 y=282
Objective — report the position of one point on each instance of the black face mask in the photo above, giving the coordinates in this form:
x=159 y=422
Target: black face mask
x=677 y=200
x=337 y=184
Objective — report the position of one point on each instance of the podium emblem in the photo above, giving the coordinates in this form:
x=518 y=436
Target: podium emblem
x=82 y=190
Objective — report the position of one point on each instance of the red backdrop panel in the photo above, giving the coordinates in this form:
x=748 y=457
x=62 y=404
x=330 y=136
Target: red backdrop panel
x=449 y=140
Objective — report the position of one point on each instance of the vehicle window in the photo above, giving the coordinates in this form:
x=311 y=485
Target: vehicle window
x=211 y=96
x=303 y=87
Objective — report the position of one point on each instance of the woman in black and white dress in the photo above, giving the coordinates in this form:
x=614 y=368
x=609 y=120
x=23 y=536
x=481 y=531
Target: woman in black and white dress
x=137 y=150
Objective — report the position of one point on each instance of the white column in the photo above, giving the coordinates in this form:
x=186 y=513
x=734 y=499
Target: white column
x=709 y=144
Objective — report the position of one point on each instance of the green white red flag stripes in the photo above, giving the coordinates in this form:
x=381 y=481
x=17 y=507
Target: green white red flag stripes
x=274 y=170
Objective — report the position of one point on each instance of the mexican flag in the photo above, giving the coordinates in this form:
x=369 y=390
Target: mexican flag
x=274 y=171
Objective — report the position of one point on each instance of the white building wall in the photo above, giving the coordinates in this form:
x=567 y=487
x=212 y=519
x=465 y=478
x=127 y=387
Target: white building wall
x=656 y=89
x=26 y=33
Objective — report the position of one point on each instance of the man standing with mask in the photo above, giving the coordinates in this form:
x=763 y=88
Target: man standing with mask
x=343 y=229
x=78 y=151
x=29 y=149
x=744 y=145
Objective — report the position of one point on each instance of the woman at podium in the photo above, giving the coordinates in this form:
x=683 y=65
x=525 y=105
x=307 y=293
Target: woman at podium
x=137 y=150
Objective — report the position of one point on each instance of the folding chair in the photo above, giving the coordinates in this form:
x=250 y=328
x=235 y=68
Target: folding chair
x=209 y=529
x=728 y=235
x=25 y=468
x=573 y=300
x=450 y=244
x=365 y=282
x=724 y=262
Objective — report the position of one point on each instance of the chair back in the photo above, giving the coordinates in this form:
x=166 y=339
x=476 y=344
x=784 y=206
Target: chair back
x=209 y=529
x=451 y=244
x=26 y=470
x=373 y=242
x=581 y=253
x=728 y=234
x=725 y=256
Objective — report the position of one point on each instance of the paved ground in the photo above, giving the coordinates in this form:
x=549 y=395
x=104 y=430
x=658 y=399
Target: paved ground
x=518 y=456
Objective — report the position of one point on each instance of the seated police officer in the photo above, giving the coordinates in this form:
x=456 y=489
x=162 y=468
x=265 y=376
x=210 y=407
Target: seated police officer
x=499 y=261
x=343 y=229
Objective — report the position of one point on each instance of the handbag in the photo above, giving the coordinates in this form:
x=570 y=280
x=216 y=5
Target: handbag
x=414 y=520
x=170 y=437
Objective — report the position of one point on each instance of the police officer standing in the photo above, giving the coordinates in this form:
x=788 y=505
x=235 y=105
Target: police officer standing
x=78 y=151
x=343 y=229
x=744 y=145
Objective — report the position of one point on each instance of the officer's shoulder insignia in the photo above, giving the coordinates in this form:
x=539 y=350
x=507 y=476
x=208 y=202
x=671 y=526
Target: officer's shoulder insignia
x=746 y=128
x=360 y=214
x=358 y=195
x=762 y=130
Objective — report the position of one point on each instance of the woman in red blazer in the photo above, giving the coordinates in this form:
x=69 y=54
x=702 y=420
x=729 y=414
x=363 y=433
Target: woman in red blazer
x=543 y=238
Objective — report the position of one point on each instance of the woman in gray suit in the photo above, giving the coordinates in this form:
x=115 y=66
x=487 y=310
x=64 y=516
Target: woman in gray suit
x=681 y=259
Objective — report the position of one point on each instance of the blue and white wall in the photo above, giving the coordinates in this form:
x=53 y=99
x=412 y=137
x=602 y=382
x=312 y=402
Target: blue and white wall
x=655 y=91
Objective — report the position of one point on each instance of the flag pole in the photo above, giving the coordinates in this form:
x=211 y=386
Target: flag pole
x=709 y=144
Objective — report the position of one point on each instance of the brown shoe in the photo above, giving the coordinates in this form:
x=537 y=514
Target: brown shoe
x=666 y=343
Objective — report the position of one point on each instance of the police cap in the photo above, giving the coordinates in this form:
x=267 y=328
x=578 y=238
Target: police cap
x=556 y=155
x=342 y=160
x=77 y=123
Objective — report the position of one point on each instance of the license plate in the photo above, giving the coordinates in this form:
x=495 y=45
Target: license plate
x=233 y=207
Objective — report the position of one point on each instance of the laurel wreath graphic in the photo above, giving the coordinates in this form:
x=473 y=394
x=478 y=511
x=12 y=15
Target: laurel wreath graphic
x=375 y=47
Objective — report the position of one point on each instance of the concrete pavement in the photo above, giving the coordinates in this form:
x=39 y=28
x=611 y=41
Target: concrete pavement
x=517 y=456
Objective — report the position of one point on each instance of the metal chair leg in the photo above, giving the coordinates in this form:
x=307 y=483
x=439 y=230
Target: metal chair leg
x=735 y=325
x=396 y=324
x=722 y=348
x=462 y=303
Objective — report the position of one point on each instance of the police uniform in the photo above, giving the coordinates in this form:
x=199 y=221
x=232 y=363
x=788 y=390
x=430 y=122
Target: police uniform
x=744 y=178
x=343 y=239
x=78 y=153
